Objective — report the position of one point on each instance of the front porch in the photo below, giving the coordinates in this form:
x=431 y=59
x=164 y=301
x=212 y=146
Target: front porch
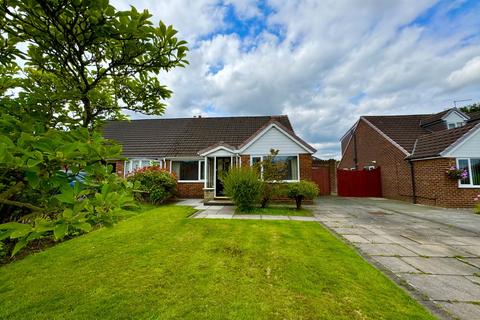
x=217 y=163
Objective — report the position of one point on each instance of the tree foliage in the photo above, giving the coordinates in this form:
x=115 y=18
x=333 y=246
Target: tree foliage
x=272 y=173
x=85 y=60
x=81 y=62
x=474 y=107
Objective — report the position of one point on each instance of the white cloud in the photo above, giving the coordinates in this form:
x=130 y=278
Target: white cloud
x=324 y=63
x=469 y=74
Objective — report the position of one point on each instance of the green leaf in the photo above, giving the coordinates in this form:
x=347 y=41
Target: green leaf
x=84 y=226
x=60 y=231
x=67 y=196
x=32 y=178
x=19 y=246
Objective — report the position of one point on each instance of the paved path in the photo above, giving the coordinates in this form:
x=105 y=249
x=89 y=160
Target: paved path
x=228 y=212
x=436 y=251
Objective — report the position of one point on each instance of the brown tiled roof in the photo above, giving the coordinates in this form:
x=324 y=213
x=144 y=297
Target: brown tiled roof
x=185 y=136
x=404 y=129
x=474 y=116
x=434 y=117
x=431 y=145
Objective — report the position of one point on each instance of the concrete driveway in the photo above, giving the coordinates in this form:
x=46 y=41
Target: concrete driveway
x=433 y=252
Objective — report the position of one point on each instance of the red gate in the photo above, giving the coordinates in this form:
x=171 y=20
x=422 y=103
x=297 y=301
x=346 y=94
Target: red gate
x=359 y=183
x=321 y=176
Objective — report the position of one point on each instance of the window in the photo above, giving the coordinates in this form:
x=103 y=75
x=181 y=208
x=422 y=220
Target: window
x=473 y=168
x=452 y=125
x=291 y=165
x=133 y=164
x=189 y=170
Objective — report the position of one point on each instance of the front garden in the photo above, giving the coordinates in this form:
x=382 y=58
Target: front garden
x=160 y=264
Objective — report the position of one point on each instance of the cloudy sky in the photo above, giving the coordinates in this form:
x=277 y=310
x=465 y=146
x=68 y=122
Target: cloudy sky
x=324 y=63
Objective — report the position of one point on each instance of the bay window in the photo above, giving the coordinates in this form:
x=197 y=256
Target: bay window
x=189 y=170
x=472 y=165
x=290 y=162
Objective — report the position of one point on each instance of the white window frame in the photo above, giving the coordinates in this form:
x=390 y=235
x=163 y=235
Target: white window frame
x=471 y=185
x=128 y=169
x=279 y=155
x=199 y=170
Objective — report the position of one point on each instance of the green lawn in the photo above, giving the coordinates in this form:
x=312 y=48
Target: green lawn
x=161 y=265
x=278 y=211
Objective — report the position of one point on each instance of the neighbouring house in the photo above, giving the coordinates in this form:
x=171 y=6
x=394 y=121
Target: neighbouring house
x=198 y=150
x=415 y=151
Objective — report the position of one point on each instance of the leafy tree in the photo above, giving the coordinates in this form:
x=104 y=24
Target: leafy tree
x=82 y=62
x=475 y=107
x=86 y=61
x=272 y=173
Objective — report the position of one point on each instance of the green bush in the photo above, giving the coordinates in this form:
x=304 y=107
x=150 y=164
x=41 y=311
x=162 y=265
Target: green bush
x=153 y=184
x=302 y=190
x=243 y=186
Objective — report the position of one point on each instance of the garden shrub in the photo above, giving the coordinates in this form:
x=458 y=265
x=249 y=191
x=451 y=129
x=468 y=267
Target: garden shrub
x=243 y=186
x=302 y=190
x=153 y=184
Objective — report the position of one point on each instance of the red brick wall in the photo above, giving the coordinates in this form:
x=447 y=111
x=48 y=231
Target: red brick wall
x=371 y=146
x=190 y=189
x=119 y=170
x=305 y=166
x=433 y=187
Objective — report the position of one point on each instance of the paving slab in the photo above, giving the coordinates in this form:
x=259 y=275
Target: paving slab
x=247 y=217
x=272 y=217
x=300 y=218
x=219 y=216
x=385 y=250
x=358 y=231
x=355 y=238
x=395 y=264
x=472 y=261
x=462 y=309
x=375 y=238
x=433 y=250
x=445 y=288
x=445 y=266
x=471 y=249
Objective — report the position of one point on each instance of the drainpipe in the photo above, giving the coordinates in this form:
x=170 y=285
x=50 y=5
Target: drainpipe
x=414 y=189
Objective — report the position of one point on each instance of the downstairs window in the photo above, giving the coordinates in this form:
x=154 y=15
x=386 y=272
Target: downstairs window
x=189 y=170
x=472 y=165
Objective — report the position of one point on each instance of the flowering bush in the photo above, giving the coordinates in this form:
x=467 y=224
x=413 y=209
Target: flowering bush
x=477 y=204
x=153 y=184
x=454 y=173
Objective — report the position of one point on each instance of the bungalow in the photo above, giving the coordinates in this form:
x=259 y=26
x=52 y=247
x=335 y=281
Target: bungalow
x=415 y=151
x=199 y=149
